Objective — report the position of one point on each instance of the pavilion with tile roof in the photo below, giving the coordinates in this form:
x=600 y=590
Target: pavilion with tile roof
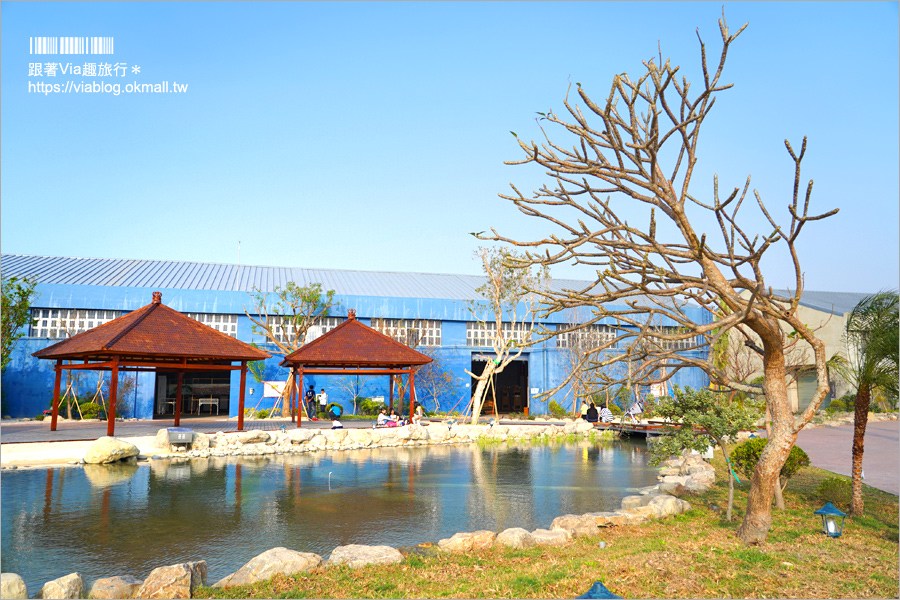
x=354 y=348
x=152 y=338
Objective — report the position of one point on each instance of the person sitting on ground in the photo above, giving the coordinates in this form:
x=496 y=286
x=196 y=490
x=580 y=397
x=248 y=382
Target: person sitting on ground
x=606 y=415
x=382 y=418
x=584 y=409
x=336 y=424
x=592 y=416
x=416 y=418
x=635 y=411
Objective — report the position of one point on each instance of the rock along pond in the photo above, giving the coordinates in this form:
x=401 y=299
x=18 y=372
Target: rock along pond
x=128 y=519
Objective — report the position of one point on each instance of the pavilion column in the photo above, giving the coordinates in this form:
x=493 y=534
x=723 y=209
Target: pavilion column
x=412 y=393
x=241 y=395
x=299 y=379
x=56 y=394
x=391 y=392
x=113 y=392
x=178 y=399
x=298 y=390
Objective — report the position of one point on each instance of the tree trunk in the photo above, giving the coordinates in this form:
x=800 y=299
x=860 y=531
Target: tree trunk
x=758 y=518
x=779 y=498
x=730 y=481
x=860 y=417
x=478 y=397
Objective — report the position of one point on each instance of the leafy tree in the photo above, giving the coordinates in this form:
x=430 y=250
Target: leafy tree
x=721 y=417
x=870 y=365
x=637 y=164
x=508 y=333
x=284 y=316
x=18 y=295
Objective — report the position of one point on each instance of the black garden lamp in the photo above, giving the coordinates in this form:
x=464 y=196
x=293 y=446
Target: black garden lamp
x=830 y=525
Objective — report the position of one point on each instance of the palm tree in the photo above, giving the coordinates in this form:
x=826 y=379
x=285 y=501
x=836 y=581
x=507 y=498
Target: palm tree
x=871 y=336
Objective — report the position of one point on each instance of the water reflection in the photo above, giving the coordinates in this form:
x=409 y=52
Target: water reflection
x=129 y=519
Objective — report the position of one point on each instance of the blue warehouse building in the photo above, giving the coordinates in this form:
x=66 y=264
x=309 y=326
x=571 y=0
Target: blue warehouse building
x=75 y=294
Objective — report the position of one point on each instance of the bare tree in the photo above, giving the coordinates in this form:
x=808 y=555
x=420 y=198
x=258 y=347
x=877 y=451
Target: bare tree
x=434 y=379
x=284 y=316
x=508 y=333
x=642 y=155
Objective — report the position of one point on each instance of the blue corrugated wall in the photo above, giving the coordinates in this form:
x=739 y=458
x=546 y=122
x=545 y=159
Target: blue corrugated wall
x=27 y=383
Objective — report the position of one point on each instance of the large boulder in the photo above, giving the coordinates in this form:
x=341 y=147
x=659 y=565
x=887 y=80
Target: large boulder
x=254 y=436
x=663 y=505
x=121 y=586
x=466 y=542
x=162 y=439
x=577 y=525
x=582 y=426
x=515 y=537
x=301 y=436
x=355 y=555
x=109 y=449
x=633 y=502
x=363 y=437
x=545 y=537
x=336 y=436
x=173 y=581
x=200 y=441
x=438 y=432
x=270 y=563
x=317 y=442
x=12 y=586
x=70 y=586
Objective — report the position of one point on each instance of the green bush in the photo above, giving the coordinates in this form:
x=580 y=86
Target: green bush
x=39 y=417
x=89 y=410
x=613 y=408
x=263 y=414
x=367 y=406
x=746 y=455
x=837 y=490
x=330 y=406
x=556 y=410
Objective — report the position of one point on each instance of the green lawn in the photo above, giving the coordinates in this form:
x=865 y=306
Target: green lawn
x=694 y=555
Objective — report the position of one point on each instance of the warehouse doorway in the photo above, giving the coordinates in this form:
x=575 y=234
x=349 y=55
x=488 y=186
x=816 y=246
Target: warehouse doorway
x=511 y=387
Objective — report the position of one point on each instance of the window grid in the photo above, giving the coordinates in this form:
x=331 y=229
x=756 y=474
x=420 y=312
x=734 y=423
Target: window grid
x=227 y=324
x=590 y=336
x=283 y=332
x=673 y=344
x=480 y=334
x=412 y=332
x=59 y=323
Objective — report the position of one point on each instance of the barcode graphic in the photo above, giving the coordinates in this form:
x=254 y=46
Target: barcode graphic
x=71 y=45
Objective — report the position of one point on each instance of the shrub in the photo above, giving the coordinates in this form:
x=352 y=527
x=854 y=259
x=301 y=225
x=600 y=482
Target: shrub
x=329 y=409
x=263 y=414
x=39 y=418
x=367 y=406
x=836 y=490
x=746 y=455
x=556 y=410
x=89 y=410
x=614 y=408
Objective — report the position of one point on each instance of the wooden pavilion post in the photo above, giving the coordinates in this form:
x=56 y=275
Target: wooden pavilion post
x=113 y=393
x=298 y=388
x=178 y=399
x=241 y=395
x=412 y=393
x=391 y=392
x=56 y=394
x=299 y=378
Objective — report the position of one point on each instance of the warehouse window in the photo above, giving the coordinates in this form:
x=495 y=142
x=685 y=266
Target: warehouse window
x=591 y=336
x=227 y=324
x=283 y=330
x=480 y=334
x=412 y=332
x=59 y=323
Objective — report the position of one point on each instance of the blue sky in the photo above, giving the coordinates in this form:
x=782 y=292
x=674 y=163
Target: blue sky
x=372 y=135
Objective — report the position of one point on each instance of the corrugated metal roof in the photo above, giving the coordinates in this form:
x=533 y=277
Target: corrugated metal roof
x=185 y=275
x=836 y=303
x=222 y=277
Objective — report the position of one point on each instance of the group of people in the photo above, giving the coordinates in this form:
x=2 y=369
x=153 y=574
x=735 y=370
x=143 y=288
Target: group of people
x=313 y=402
x=394 y=420
x=590 y=413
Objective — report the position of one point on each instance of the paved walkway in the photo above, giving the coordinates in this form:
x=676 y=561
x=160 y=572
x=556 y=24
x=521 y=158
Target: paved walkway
x=830 y=448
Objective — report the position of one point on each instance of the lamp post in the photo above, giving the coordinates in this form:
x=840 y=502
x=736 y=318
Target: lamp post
x=830 y=525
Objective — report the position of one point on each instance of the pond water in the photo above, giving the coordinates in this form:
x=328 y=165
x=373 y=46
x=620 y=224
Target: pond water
x=129 y=519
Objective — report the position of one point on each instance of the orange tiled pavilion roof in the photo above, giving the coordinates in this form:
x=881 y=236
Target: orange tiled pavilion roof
x=153 y=333
x=352 y=344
